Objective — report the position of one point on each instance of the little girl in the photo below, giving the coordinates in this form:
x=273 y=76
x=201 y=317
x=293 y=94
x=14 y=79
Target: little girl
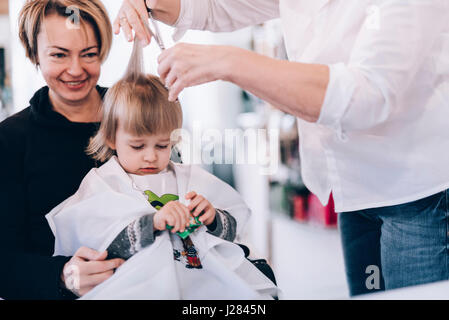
x=128 y=204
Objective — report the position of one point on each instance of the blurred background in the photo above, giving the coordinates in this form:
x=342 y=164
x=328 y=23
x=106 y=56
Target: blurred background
x=289 y=227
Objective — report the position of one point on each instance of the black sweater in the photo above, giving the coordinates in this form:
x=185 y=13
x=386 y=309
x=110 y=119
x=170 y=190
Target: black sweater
x=42 y=162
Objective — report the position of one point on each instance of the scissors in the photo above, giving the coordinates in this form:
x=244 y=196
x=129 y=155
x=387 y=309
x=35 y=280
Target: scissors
x=157 y=33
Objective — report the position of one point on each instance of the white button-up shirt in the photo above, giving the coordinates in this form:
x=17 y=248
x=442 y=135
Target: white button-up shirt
x=382 y=137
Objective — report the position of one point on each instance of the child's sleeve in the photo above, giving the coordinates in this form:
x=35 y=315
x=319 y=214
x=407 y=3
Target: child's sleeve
x=138 y=235
x=224 y=226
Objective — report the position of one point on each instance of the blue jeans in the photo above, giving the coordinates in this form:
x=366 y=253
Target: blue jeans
x=407 y=244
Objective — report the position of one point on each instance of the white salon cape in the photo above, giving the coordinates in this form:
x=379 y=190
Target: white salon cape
x=107 y=201
x=382 y=137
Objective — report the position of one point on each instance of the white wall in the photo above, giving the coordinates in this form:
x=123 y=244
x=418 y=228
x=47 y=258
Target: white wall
x=24 y=77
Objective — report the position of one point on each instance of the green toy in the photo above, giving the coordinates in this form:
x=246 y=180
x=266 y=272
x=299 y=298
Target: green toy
x=159 y=202
x=194 y=224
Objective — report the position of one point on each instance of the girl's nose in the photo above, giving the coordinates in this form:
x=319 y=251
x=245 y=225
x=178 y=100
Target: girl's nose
x=150 y=155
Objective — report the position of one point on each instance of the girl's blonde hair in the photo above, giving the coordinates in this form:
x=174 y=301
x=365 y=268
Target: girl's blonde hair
x=92 y=12
x=139 y=104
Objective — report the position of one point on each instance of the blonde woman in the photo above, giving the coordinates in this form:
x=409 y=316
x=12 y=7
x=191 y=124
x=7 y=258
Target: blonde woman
x=42 y=147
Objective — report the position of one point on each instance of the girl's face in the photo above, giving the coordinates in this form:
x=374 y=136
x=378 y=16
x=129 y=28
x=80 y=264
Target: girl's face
x=68 y=57
x=142 y=155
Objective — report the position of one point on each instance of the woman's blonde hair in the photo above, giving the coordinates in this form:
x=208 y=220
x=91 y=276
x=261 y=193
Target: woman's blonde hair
x=139 y=104
x=92 y=12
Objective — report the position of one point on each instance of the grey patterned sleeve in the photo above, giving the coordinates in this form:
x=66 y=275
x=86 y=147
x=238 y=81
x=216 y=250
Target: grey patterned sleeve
x=136 y=236
x=225 y=226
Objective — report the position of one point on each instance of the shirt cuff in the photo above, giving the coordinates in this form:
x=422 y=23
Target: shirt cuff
x=339 y=93
x=216 y=228
x=226 y=226
x=213 y=226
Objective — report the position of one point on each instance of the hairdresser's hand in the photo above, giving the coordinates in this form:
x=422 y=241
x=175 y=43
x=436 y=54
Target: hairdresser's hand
x=173 y=214
x=87 y=269
x=133 y=12
x=200 y=206
x=185 y=65
x=130 y=17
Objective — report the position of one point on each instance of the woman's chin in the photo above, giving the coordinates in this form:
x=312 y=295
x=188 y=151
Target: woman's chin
x=73 y=94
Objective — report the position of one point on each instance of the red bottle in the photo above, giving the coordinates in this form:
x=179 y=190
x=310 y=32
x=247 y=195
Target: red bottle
x=324 y=215
x=300 y=208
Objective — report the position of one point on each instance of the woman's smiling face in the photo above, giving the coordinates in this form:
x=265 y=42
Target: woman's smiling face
x=68 y=57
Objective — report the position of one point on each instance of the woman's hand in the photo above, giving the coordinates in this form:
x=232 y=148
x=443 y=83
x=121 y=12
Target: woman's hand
x=133 y=12
x=87 y=269
x=185 y=65
x=202 y=207
x=130 y=17
x=173 y=214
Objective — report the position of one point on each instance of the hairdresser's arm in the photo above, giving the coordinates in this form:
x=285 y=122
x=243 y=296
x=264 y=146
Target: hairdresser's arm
x=211 y=15
x=295 y=88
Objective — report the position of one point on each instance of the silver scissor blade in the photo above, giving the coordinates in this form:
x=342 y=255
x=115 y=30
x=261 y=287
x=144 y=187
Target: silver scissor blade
x=156 y=34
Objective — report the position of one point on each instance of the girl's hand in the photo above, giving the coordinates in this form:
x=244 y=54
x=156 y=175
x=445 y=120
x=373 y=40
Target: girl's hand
x=200 y=206
x=173 y=214
x=87 y=269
